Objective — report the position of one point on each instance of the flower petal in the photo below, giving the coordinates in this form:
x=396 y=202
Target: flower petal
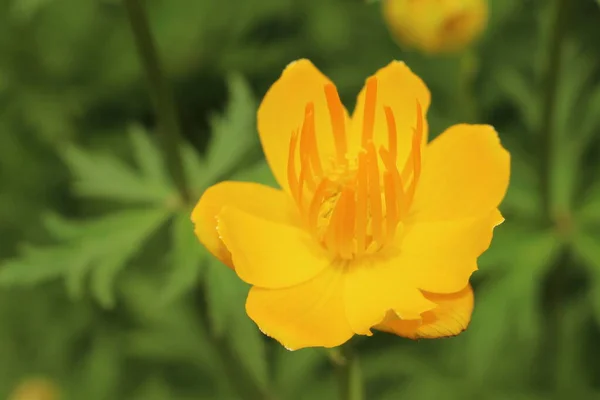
x=282 y=112
x=307 y=315
x=465 y=173
x=441 y=256
x=270 y=254
x=451 y=316
x=378 y=285
x=400 y=89
x=262 y=201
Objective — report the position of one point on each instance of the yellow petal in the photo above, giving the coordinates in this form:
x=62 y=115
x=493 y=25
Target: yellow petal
x=262 y=201
x=307 y=315
x=400 y=89
x=465 y=173
x=270 y=254
x=440 y=256
x=377 y=285
x=451 y=316
x=282 y=112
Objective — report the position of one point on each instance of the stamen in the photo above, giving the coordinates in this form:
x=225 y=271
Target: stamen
x=361 y=210
x=375 y=195
x=392 y=134
x=336 y=113
x=291 y=167
x=308 y=146
x=417 y=142
x=369 y=115
x=315 y=205
x=391 y=205
x=347 y=246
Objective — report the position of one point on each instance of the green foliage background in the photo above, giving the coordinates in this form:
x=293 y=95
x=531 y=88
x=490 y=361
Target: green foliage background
x=104 y=290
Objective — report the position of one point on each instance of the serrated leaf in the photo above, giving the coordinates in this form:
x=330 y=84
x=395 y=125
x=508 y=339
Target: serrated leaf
x=247 y=342
x=187 y=259
x=520 y=91
x=234 y=132
x=103 y=176
x=507 y=308
x=196 y=169
x=222 y=288
x=137 y=227
x=226 y=296
x=295 y=370
x=34 y=266
x=147 y=155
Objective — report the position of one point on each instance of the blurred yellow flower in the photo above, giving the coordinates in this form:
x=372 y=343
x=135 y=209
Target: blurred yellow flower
x=35 y=389
x=435 y=26
x=373 y=227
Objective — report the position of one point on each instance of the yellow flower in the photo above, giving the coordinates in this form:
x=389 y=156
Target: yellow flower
x=435 y=26
x=373 y=227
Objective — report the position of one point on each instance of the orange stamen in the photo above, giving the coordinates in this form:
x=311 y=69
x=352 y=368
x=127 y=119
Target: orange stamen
x=291 y=167
x=336 y=113
x=315 y=204
x=391 y=205
x=361 y=209
x=392 y=134
x=308 y=146
x=374 y=195
x=417 y=142
x=369 y=115
x=347 y=246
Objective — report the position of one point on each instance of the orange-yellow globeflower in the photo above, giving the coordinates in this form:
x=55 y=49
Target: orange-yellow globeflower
x=373 y=227
x=436 y=26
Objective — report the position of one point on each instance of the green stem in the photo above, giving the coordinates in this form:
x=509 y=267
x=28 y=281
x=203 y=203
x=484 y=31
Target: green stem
x=162 y=96
x=348 y=369
x=550 y=86
x=468 y=72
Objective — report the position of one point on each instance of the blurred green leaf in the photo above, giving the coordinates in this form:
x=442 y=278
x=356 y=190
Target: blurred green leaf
x=294 y=370
x=103 y=176
x=519 y=89
x=187 y=259
x=234 y=132
x=35 y=266
x=588 y=213
x=101 y=246
x=226 y=296
x=507 y=308
x=147 y=155
x=196 y=170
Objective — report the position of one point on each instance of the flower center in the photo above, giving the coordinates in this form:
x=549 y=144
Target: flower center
x=354 y=208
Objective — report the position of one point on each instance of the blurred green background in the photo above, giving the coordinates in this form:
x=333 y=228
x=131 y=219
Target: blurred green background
x=105 y=293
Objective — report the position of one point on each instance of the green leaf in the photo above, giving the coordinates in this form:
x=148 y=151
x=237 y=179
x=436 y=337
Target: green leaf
x=295 y=370
x=233 y=133
x=147 y=155
x=588 y=213
x=187 y=259
x=103 y=176
x=520 y=91
x=507 y=308
x=226 y=296
x=196 y=169
x=35 y=266
x=128 y=230
x=587 y=249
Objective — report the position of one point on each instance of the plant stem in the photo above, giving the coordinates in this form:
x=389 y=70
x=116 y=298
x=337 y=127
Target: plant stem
x=351 y=387
x=162 y=96
x=468 y=72
x=550 y=87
